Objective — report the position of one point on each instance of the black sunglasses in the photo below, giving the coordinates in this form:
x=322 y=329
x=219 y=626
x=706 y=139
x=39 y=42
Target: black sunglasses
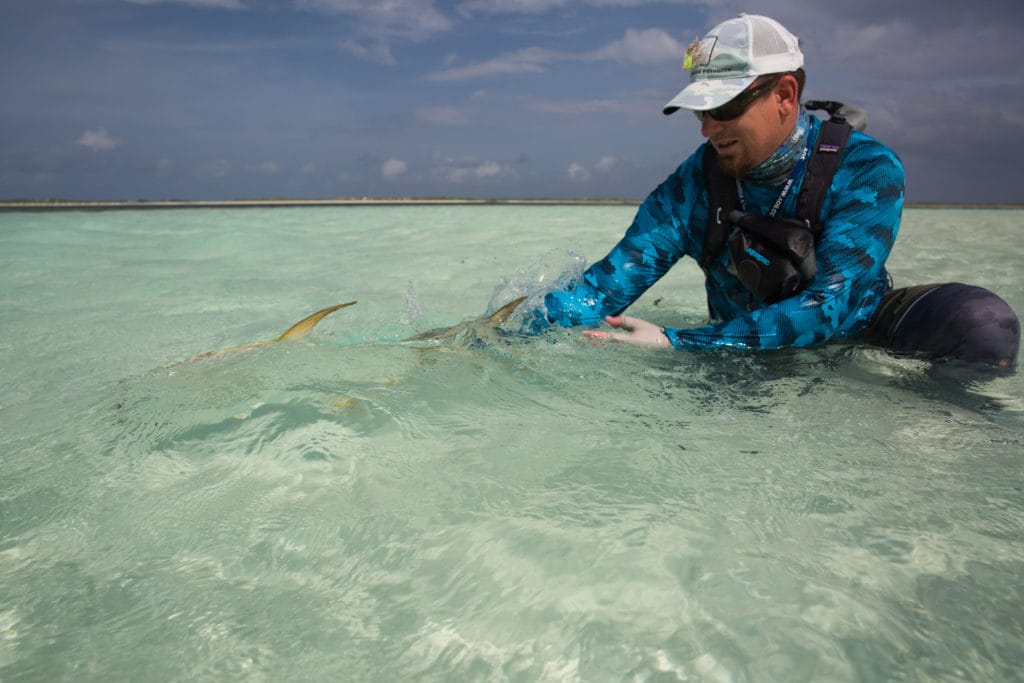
x=737 y=106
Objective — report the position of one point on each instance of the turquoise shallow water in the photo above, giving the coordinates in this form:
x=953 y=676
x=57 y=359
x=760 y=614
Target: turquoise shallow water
x=351 y=506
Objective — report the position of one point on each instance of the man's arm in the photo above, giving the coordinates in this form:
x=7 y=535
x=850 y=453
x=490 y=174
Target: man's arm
x=866 y=203
x=656 y=240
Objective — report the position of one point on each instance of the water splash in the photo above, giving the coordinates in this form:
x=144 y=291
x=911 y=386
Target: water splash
x=413 y=309
x=557 y=270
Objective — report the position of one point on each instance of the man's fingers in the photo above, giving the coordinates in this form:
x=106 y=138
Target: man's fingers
x=619 y=321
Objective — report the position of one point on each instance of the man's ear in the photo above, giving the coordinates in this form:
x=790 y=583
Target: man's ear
x=787 y=92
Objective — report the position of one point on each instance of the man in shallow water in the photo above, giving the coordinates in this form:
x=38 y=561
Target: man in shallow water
x=783 y=267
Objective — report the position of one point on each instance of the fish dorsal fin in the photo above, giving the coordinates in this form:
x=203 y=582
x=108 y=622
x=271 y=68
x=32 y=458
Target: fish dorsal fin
x=503 y=313
x=306 y=325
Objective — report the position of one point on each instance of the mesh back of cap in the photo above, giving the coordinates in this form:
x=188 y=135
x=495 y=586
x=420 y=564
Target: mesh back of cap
x=765 y=38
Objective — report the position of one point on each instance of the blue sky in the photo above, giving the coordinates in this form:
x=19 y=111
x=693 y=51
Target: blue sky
x=227 y=99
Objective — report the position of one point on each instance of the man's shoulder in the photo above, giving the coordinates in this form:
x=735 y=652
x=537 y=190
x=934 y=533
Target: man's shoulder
x=868 y=164
x=860 y=146
x=867 y=159
x=863 y=148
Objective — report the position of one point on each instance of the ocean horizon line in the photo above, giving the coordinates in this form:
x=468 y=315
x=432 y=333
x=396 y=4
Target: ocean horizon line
x=272 y=202
x=22 y=204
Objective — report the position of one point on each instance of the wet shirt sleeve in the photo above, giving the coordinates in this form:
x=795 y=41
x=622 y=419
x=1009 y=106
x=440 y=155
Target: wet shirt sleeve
x=863 y=210
x=658 y=237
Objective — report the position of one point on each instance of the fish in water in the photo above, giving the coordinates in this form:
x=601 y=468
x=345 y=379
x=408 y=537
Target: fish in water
x=471 y=332
x=296 y=331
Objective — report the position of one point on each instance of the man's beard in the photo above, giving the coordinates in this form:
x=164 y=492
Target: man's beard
x=735 y=167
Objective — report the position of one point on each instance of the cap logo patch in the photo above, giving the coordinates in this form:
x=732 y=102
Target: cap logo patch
x=698 y=54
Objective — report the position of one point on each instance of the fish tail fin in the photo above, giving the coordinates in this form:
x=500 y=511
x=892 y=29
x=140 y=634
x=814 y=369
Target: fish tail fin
x=306 y=325
x=503 y=313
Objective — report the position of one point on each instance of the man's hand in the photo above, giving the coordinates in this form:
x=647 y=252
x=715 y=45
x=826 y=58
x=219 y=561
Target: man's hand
x=634 y=331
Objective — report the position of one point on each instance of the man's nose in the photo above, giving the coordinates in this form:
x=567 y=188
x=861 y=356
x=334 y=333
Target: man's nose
x=708 y=126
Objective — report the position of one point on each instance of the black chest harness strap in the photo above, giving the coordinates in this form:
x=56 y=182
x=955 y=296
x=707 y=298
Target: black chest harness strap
x=771 y=251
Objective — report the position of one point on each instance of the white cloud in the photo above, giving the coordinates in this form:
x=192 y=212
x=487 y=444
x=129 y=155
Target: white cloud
x=377 y=52
x=216 y=4
x=410 y=19
x=539 y=6
x=392 y=168
x=650 y=46
x=98 y=139
x=308 y=168
x=377 y=24
x=442 y=116
x=528 y=60
x=212 y=169
x=577 y=173
x=509 y=6
x=468 y=170
x=488 y=169
x=607 y=164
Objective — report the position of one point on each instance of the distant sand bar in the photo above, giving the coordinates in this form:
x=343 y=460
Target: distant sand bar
x=22 y=205
x=61 y=204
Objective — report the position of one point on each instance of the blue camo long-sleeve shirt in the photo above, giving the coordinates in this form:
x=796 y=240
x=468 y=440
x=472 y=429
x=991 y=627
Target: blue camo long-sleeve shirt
x=861 y=217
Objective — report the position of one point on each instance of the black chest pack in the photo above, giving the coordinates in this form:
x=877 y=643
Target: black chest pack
x=774 y=257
